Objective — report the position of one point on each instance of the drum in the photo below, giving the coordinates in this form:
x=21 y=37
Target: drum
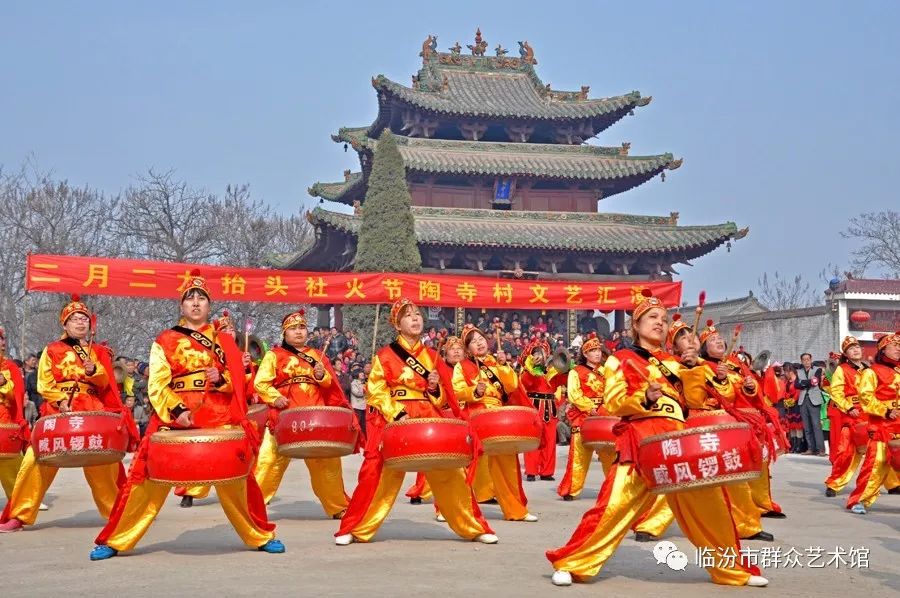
x=894 y=453
x=507 y=430
x=597 y=432
x=426 y=444
x=699 y=457
x=701 y=417
x=259 y=415
x=859 y=432
x=316 y=432
x=79 y=439
x=11 y=441
x=200 y=457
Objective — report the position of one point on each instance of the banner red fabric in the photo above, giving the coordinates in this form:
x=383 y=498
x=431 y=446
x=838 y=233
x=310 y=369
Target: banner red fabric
x=143 y=278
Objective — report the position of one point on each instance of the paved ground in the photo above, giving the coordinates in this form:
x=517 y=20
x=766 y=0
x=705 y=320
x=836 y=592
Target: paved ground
x=194 y=552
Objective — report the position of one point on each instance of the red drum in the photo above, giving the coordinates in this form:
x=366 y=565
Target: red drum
x=597 y=432
x=894 y=453
x=699 y=457
x=859 y=431
x=79 y=439
x=11 y=441
x=426 y=444
x=507 y=430
x=259 y=415
x=712 y=417
x=316 y=432
x=201 y=457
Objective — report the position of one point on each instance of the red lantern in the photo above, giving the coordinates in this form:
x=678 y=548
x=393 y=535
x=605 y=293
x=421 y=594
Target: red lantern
x=859 y=317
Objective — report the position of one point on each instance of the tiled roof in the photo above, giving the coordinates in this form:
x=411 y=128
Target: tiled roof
x=505 y=95
x=594 y=232
x=337 y=191
x=871 y=286
x=573 y=162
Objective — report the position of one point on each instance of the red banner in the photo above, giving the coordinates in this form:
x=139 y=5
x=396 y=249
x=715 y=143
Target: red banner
x=161 y=280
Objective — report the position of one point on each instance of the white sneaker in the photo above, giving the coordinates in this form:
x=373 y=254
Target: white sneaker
x=487 y=539
x=43 y=507
x=530 y=518
x=345 y=540
x=757 y=581
x=440 y=518
x=563 y=578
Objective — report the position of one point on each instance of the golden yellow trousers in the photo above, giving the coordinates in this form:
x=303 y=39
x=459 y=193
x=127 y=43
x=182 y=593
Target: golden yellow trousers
x=841 y=481
x=761 y=490
x=8 y=470
x=451 y=493
x=581 y=461
x=198 y=492
x=33 y=480
x=146 y=499
x=702 y=515
x=657 y=519
x=326 y=476
x=876 y=471
x=507 y=481
x=482 y=485
x=744 y=510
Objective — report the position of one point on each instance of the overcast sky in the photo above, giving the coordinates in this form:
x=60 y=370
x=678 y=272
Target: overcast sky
x=785 y=112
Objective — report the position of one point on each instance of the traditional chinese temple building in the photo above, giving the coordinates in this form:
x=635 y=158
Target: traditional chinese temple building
x=502 y=179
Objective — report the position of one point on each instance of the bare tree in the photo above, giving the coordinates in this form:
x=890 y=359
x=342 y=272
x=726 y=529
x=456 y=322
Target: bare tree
x=778 y=292
x=879 y=235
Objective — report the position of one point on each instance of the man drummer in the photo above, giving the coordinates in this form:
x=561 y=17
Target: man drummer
x=223 y=325
x=481 y=382
x=584 y=394
x=882 y=407
x=73 y=375
x=295 y=375
x=540 y=381
x=408 y=380
x=643 y=387
x=12 y=413
x=715 y=381
x=190 y=387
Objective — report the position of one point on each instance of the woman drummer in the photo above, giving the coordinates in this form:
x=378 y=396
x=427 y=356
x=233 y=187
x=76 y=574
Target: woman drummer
x=12 y=412
x=480 y=382
x=396 y=392
x=74 y=375
x=584 y=393
x=295 y=375
x=647 y=409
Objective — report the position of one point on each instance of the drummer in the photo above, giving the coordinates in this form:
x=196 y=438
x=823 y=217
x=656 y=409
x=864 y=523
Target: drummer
x=12 y=411
x=294 y=375
x=396 y=392
x=850 y=379
x=480 y=382
x=190 y=387
x=706 y=387
x=647 y=408
x=453 y=353
x=540 y=381
x=223 y=325
x=883 y=410
x=584 y=394
x=73 y=375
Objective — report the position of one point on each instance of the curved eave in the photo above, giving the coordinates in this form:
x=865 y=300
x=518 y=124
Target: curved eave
x=612 y=109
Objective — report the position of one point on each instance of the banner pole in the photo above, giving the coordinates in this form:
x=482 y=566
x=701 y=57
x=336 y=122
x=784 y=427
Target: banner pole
x=375 y=328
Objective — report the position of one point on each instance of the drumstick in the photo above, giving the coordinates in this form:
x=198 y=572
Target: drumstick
x=248 y=326
x=699 y=310
x=734 y=339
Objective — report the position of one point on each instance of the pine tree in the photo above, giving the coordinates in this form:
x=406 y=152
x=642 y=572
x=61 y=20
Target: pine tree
x=387 y=239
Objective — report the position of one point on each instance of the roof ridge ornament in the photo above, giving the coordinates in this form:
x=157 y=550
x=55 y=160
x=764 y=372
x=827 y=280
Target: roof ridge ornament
x=429 y=48
x=480 y=45
x=527 y=53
